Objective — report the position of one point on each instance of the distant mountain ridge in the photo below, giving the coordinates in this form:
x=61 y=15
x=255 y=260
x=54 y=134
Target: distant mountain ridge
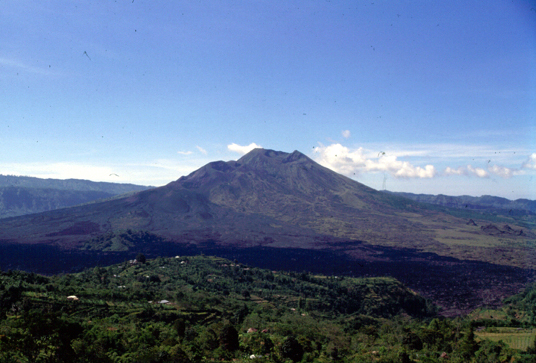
x=20 y=195
x=466 y=201
x=68 y=184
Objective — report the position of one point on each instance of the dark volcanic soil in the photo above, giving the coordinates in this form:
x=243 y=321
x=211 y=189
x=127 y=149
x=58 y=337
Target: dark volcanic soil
x=458 y=286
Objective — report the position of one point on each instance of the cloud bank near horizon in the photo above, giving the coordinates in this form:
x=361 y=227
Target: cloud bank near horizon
x=354 y=162
x=358 y=161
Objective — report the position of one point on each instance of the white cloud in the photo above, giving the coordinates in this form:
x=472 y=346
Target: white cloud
x=498 y=170
x=346 y=134
x=243 y=149
x=345 y=161
x=530 y=163
x=481 y=173
x=501 y=171
x=203 y=151
x=360 y=160
x=406 y=170
x=184 y=152
x=459 y=171
x=466 y=170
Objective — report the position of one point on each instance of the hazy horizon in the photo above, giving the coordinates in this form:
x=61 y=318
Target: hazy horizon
x=156 y=186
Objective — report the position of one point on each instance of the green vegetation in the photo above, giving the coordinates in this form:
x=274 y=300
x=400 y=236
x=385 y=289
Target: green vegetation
x=193 y=309
x=518 y=311
x=122 y=241
x=516 y=338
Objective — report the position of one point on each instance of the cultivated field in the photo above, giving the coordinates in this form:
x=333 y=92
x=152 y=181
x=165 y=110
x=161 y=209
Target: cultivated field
x=515 y=337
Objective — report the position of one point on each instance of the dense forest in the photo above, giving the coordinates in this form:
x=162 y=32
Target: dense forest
x=198 y=308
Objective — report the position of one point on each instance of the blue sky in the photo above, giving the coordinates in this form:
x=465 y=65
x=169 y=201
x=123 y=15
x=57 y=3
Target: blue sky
x=419 y=96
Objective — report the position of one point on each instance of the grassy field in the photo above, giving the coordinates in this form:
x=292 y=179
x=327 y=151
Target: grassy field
x=514 y=337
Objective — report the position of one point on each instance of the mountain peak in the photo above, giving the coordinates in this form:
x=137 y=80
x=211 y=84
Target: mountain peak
x=260 y=157
x=262 y=160
x=258 y=154
x=295 y=156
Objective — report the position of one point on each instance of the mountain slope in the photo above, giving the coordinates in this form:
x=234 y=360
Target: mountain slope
x=21 y=195
x=272 y=199
x=293 y=189
x=485 y=202
x=68 y=184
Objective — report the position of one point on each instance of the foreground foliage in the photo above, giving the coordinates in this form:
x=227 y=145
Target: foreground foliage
x=200 y=308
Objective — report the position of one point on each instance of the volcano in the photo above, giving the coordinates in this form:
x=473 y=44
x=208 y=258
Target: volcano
x=266 y=198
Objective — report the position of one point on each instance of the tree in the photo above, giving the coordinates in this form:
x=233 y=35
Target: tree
x=411 y=340
x=180 y=327
x=141 y=258
x=468 y=346
x=292 y=349
x=229 y=338
x=178 y=355
x=240 y=315
x=209 y=339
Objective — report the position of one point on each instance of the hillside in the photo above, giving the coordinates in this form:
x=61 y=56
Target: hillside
x=501 y=212
x=184 y=306
x=68 y=184
x=17 y=201
x=21 y=195
x=197 y=308
x=485 y=202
